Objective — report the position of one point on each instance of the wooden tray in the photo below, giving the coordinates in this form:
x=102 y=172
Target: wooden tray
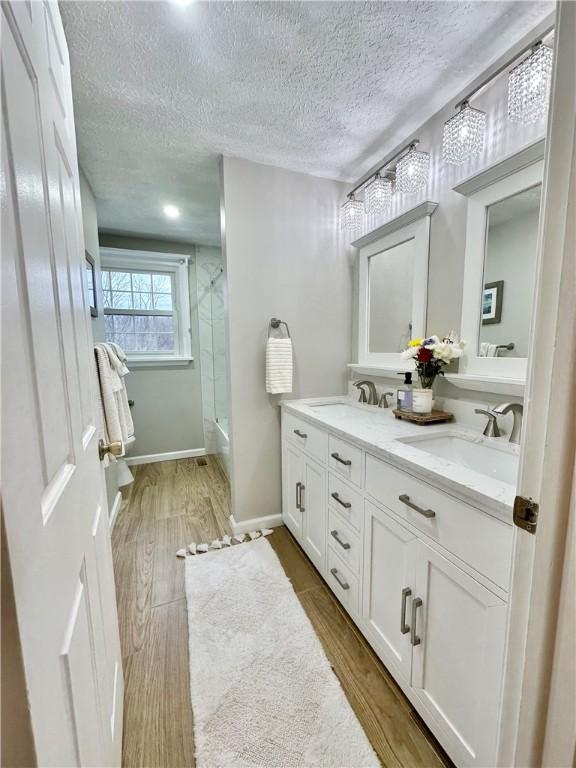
x=436 y=417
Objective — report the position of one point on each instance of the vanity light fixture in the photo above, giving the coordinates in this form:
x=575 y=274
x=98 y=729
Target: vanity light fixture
x=171 y=212
x=464 y=134
x=529 y=86
x=412 y=170
x=352 y=213
x=378 y=194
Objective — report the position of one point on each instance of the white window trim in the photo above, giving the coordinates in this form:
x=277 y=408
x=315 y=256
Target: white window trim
x=177 y=263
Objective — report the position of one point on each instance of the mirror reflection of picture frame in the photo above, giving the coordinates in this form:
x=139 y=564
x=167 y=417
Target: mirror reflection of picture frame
x=492 y=302
x=91 y=284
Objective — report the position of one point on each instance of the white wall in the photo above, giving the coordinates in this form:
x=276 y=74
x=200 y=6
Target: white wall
x=167 y=408
x=284 y=257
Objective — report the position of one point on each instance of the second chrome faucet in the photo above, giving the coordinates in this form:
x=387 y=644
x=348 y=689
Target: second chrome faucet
x=492 y=430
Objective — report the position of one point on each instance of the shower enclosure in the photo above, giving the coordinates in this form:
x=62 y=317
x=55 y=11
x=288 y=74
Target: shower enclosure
x=219 y=350
x=212 y=315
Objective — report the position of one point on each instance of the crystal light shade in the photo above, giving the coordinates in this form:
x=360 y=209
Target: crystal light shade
x=377 y=195
x=412 y=171
x=464 y=135
x=352 y=214
x=529 y=86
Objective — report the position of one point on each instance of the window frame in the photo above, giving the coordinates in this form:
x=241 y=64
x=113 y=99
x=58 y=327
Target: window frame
x=175 y=264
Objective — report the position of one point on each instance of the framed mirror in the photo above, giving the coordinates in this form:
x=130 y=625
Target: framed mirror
x=91 y=284
x=393 y=283
x=500 y=271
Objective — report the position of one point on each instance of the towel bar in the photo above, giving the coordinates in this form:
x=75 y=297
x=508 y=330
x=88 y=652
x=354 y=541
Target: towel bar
x=276 y=323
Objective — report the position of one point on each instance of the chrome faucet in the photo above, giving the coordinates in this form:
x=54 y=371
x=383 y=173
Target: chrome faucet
x=491 y=428
x=372 y=394
x=518 y=411
x=383 y=402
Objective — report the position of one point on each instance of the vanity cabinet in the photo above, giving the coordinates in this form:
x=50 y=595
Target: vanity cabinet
x=305 y=512
x=423 y=574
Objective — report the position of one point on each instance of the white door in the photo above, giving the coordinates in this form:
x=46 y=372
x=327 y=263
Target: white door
x=389 y=550
x=291 y=488
x=54 y=508
x=314 y=508
x=458 y=637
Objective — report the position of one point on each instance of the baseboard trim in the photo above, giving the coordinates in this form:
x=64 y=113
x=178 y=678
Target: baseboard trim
x=148 y=458
x=115 y=509
x=255 y=524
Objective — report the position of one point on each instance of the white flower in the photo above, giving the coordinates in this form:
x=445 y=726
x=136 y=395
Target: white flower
x=446 y=352
x=410 y=353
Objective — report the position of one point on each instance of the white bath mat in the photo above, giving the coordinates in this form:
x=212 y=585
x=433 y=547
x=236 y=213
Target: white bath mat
x=263 y=691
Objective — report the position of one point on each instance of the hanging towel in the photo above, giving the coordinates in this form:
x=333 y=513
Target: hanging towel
x=488 y=350
x=278 y=366
x=117 y=423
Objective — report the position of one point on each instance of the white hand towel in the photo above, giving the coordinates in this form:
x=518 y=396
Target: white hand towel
x=488 y=350
x=278 y=366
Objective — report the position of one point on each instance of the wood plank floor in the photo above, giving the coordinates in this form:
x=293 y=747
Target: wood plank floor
x=168 y=505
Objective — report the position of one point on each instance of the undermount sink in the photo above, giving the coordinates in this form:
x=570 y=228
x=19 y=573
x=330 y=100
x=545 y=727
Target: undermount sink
x=344 y=409
x=488 y=458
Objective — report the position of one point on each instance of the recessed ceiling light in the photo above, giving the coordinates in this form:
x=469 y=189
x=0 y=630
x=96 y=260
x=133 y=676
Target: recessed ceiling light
x=171 y=211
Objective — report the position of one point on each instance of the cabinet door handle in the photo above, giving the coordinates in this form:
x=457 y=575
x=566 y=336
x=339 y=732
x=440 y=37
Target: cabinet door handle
x=298 y=487
x=302 y=489
x=343 y=584
x=414 y=639
x=346 y=462
x=300 y=434
x=345 y=504
x=343 y=544
x=405 y=499
x=404 y=628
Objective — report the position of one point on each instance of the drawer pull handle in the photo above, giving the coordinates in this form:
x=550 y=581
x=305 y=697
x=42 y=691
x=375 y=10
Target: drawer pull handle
x=405 y=499
x=414 y=639
x=343 y=584
x=300 y=434
x=343 y=544
x=404 y=628
x=345 y=504
x=346 y=462
x=302 y=489
x=298 y=487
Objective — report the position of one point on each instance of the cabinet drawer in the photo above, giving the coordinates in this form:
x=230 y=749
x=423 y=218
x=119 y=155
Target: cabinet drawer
x=346 y=501
x=342 y=581
x=344 y=540
x=345 y=460
x=480 y=540
x=304 y=435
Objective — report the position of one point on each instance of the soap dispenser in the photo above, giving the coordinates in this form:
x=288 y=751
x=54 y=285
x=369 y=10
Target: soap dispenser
x=404 y=394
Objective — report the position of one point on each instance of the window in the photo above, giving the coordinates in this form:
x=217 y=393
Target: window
x=146 y=306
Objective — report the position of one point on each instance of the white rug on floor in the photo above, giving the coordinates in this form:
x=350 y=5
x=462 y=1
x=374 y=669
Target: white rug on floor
x=263 y=691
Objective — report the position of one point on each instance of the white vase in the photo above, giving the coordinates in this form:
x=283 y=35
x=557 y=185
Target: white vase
x=422 y=401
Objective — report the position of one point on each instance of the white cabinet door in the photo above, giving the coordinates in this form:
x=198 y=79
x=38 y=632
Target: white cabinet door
x=314 y=509
x=458 y=657
x=291 y=488
x=389 y=551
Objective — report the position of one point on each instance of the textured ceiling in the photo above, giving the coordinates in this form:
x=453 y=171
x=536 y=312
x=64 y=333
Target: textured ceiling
x=326 y=88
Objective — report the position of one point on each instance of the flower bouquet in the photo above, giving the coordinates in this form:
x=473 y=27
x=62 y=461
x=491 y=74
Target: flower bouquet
x=431 y=355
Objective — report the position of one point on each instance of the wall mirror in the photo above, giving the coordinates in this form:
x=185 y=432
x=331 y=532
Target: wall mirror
x=393 y=281
x=91 y=284
x=500 y=268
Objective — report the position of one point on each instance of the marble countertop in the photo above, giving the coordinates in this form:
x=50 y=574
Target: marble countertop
x=377 y=431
